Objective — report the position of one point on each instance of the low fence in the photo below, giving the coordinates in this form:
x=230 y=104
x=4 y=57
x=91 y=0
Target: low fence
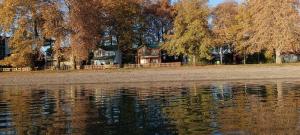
x=174 y=64
x=100 y=67
x=65 y=67
x=25 y=69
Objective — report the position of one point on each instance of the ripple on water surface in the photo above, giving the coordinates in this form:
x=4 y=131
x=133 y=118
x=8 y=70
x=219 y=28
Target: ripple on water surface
x=186 y=108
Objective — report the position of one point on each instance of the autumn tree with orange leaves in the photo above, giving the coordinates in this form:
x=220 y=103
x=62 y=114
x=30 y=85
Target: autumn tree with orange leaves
x=27 y=23
x=225 y=27
x=86 y=24
x=181 y=28
x=274 y=27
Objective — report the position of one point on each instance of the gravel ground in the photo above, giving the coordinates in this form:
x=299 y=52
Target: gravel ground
x=200 y=73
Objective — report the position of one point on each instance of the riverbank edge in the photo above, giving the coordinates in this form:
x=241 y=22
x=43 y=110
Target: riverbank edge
x=148 y=75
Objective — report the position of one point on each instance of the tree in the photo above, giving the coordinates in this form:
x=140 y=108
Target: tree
x=159 y=20
x=242 y=31
x=225 y=26
x=274 y=26
x=31 y=24
x=191 y=35
x=124 y=24
x=55 y=27
x=85 y=23
x=23 y=20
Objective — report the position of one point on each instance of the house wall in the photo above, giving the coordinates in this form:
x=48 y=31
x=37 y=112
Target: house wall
x=144 y=61
x=291 y=58
x=102 y=62
x=154 y=55
x=100 y=53
x=149 y=61
x=118 y=58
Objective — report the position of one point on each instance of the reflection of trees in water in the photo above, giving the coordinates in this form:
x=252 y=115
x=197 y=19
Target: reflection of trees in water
x=76 y=110
x=229 y=108
x=193 y=112
x=127 y=114
x=221 y=91
x=27 y=110
x=6 y=121
x=261 y=109
x=40 y=111
x=239 y=108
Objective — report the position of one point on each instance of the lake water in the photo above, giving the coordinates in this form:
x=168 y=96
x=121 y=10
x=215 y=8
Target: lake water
x=183 y=108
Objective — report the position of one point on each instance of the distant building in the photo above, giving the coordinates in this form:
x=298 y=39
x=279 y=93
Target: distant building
x=148 y=55
x=63 y=60
x=291 y=58
x=103 y=57
x=4 y=49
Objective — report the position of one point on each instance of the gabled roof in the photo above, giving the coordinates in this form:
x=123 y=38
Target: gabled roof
x=149 y=46
x=4 y=37
x=109 y=47
x=103 y=58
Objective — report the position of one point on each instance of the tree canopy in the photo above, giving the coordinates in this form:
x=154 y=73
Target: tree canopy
x=186 y=27
x=274 y=26
x=191 y=34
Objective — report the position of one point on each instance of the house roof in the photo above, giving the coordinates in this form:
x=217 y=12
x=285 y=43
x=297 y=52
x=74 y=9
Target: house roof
x=2 y=37
x=109 y=47
x=103 y=58
x=149 y=46
x=149 y=57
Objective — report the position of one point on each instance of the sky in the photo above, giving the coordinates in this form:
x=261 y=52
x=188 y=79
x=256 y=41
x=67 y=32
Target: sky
x=213 y=3
x=216 y=2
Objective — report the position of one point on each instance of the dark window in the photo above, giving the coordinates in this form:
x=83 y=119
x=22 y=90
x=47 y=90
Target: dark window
x=2 y=49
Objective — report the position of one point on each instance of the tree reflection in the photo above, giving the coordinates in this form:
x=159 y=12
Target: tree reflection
x=196 y=108
x=127 y=114
x=194 y=112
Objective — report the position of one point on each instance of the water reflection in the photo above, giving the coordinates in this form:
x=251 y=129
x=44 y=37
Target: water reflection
x=152 y=109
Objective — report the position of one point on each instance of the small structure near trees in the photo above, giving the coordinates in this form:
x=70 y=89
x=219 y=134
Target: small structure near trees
x=63 y=58
x=103 y=57
x=148 y=55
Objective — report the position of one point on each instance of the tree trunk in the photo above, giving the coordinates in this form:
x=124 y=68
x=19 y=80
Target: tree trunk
x=221 y=55
x=119 y=57
x=278 y=57
x=258 y=58
x=73 y=61
x=194 y=60
x=245 y=56
x=58 y=63
x=234 y=58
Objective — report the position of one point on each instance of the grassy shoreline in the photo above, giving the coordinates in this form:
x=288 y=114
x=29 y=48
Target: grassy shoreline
x=185 y=73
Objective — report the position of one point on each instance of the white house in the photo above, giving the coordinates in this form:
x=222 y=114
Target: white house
x=104 y=57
